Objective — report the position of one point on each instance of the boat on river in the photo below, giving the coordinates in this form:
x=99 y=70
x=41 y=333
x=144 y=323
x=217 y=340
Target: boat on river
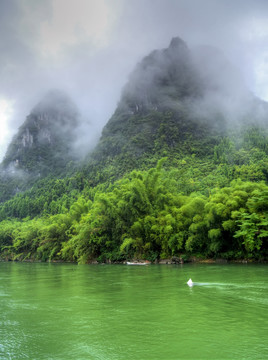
x=137 y=263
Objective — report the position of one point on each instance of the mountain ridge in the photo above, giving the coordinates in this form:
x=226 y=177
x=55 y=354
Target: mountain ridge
x=173 y=103
x=163 y=106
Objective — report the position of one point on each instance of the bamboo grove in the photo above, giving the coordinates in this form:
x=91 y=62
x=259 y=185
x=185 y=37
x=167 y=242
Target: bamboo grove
x=145 y=215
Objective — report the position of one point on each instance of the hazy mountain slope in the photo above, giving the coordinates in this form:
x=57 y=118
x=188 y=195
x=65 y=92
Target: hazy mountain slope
x=43 y=145
x=44 y=141
x=177 y=102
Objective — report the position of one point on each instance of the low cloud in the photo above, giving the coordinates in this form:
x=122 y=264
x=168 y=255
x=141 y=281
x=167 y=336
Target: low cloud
x=89 y=47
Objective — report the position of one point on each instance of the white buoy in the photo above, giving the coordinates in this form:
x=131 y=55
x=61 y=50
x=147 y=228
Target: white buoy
x=190 y=283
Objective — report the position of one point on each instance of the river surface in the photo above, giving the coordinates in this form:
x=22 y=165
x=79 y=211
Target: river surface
x=66 y=311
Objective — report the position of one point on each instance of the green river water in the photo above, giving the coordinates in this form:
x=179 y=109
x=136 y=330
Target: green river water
x=66 y=311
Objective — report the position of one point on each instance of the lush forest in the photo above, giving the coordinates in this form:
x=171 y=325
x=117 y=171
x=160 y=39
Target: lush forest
x=162 y=182
x=163 y=212
x=144 y=215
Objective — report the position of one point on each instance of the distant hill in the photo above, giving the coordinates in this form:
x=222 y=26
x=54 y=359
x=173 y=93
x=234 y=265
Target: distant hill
x=43 y=145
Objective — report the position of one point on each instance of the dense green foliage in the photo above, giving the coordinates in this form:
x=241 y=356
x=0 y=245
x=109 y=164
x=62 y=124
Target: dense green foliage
x=208 y=198
x=146 y=215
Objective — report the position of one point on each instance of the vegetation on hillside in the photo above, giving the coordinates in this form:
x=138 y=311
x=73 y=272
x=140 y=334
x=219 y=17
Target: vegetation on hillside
x=195 y=208
x=170 y=176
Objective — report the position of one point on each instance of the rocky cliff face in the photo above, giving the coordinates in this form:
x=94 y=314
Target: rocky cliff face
x=160 y=78
x=44 y=141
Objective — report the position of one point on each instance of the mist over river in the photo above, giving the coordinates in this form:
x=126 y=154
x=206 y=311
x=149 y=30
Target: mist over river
x=67 y=311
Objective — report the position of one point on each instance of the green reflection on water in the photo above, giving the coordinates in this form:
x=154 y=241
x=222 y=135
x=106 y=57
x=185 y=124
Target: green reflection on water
x=65 y=311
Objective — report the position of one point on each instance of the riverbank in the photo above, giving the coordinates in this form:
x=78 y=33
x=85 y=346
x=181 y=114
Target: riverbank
x=168 y=261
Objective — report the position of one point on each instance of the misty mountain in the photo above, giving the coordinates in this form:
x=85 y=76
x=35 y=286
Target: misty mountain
x=161 y=79
x=43 y=143
x=168 y=78
x=178 y=101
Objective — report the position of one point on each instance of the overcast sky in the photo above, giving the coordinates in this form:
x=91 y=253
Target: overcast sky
x=89 y=47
